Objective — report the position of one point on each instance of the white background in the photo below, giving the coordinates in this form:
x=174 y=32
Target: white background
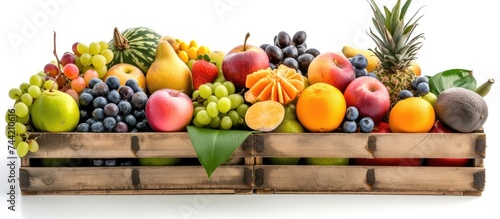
x=459 y=34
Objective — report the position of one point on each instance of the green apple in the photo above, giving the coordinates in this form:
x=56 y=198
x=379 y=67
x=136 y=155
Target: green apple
x=55 y=111
x=431 y=98
x=159 y=161
x=326 y=161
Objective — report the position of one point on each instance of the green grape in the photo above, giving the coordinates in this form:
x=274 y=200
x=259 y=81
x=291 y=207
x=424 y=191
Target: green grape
x=215 y=85
x=94 y=48
x=202 y=117
x=242 y=110
x=24 y=87
x=215 y=122
x=35 y=91
x=229 y=86
x=22 y=149
x=196 y=104
x=82 y=48
x=98 y=61
x=236 y=100
x=33 y=145
x=27 y=99
x=18 y=139
x=235 y=117
x=224 y=104
x=36 y=80
x=15 y=93
x=226 y=123
x=21 y=109
x=50 y=84
x=41 y=74
x=9 y=117
x=104 y=45
x=198 y=109
x=101 y=71
x=196 y=123
x=205 y=91
x=212 y=98
x=221 y=91
x=212 y=110
x=20 y=128
x=221 y=114
x=78 y=63
x=108 y=54
x=195 y=94
x=85 y=59
x=24 y=120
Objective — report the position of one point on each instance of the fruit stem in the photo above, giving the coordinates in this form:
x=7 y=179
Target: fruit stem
x=245 y=42
x=58 y=64
x=120 y=41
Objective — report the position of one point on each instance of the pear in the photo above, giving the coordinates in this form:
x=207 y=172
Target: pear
x=290 y=124
x=168 y=71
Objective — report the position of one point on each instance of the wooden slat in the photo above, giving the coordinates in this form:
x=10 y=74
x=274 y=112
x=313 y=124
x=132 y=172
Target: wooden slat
x=81 y=179
x=382 y=145
x=142 y=192
x=121 y=145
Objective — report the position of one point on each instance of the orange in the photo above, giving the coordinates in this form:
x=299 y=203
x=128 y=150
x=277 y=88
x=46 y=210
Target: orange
x=415 y=67
x=321 y=108
x=265 y=115
x=413 y=114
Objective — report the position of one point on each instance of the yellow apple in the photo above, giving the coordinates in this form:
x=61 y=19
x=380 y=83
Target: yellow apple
x=125 y=71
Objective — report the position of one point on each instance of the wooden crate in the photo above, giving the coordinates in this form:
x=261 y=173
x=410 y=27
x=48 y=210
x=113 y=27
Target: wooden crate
x=353 y=179
x=181 y=179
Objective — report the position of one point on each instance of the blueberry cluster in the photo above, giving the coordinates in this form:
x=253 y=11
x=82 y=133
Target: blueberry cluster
x=350 y=125
x=420 y=85
x=359 y=63
x=105 y=106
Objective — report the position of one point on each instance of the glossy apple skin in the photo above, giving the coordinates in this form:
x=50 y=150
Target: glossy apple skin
x=242 y=61
x=440 y=127
x=331 y=68
x=169 y=110
x=125 y=71
x=369 y=96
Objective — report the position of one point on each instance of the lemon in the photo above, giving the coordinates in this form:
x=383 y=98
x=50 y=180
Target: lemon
x=55 y=111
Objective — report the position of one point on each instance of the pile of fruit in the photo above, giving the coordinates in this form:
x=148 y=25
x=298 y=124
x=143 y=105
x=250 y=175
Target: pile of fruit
x=143 y=81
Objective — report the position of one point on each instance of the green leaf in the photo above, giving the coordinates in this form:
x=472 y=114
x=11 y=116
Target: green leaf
x=213 y=147
x=452 y=78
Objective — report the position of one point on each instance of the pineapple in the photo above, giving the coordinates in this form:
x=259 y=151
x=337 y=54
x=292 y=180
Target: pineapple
x=395 y=47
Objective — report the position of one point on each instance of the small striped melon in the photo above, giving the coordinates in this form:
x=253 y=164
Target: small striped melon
x=135 y=45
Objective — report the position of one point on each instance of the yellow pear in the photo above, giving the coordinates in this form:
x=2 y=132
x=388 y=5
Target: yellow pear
x=373 y=61
x=168 y=71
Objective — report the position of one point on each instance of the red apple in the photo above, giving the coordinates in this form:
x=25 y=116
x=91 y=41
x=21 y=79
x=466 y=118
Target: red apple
x=369 y=96
x=331 y=68
x=169 y=110
x=440 y=127
x=243 y=60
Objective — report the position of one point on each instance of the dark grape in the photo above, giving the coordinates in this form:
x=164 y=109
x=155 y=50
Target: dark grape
x=118 y=118
x=97 y=127
x=130 y=120
x=264 y=46
x=111 y=109
x=93 y=82
x=100 y=89
x=274 y=53
x=139 y=113
x=291 y=62
x=121 y=127
x=113 y=82
x=132 y=83
x=313 y=51
x=125 y=107
x=139 y=100
x=126 y=92
x=83 y=127
x=100 y=102
x=299 y=37
x=301 y=50
x=85 y=99
x=283 y=39
x=109 y=122
x=98 y=114
x=113 y=97
x=272 y=66
x=290 y=51
x=304 y=61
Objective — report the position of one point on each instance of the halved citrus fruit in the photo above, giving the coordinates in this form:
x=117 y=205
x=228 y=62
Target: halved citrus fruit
x=265 y=115
x=283 y=85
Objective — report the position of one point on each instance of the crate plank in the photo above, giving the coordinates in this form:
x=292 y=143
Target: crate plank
x=371 y=145
x=109 y=179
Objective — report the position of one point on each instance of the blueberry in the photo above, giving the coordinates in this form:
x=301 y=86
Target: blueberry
x=98 y=114
x=139 y=100
x=97 y=162
x=83 y=127
x=85 y=99
x=141 y=125
x=90 y=121
x=349 y=126
x=352 y=113
x=130 y=120
x=118 y=118
x=114 y=97
x=84 y=115
x=422 y=79
x=423 y=89
x=93 y=82
x=100 y=102
x=125 y=107
x=110 y=162
x=109 y=122
x=366 y=124
x=100 y=89
x=97 y=127
x=359 y=61
x=139 y=114
x=132 y=83
x=111 y=109
x=113 y=82
x=87 y=90
x=371 y=74
x=360 y=72
x=405 y=94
